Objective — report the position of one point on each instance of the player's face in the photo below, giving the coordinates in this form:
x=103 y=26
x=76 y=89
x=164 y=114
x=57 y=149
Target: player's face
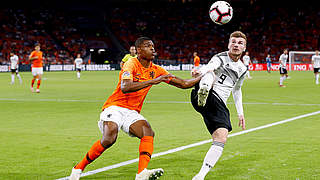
x=237 y=45
x=147 y=51
x=317 y=53
x=37 y=48
x=133 y=50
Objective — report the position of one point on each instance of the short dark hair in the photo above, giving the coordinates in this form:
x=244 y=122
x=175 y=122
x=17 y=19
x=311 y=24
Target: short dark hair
x=140 y=41
x=37 y=44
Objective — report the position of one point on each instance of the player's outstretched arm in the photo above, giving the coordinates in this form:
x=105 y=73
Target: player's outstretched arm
x=128 y=86
x=185 y=83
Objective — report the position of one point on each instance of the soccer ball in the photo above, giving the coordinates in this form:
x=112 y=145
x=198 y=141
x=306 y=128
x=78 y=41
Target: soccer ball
x=221 y=12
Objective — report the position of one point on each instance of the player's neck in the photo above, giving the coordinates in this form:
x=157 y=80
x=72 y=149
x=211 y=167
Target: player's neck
x=144 y=62
x=234 y=58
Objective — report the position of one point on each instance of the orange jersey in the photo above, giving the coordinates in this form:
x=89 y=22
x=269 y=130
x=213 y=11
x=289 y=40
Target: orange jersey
x=133 y=70
x=36 y=62
x=196 y=61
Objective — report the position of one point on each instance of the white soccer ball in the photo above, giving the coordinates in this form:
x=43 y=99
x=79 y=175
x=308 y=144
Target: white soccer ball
x=221 y=12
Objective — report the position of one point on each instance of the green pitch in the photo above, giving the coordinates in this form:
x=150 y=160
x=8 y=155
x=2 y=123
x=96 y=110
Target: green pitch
x=44 y=135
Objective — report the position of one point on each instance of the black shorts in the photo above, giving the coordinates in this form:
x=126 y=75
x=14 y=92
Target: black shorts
x=14 y=70
x=78 y=69
x=283 y=71
x=315 y=70
x=215 y=113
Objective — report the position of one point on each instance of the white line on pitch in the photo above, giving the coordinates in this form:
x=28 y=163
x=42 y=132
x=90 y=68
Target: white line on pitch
x=192 y=145
x=149 y=102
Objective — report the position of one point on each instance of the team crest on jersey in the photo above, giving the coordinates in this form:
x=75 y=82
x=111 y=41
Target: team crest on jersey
x=152 y=74
x=126 y=74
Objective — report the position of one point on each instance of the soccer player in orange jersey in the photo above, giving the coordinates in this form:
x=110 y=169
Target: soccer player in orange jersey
x=196 y=60
x=37 y=67
x=122 y=109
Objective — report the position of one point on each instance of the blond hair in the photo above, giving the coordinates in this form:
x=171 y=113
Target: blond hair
x=237 y=34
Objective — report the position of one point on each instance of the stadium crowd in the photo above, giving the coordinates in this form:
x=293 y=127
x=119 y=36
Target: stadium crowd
x=184 y=30
x=22 y=29
x=176 y=34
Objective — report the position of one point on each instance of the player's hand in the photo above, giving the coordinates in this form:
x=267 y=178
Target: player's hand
x=195 y=73
x=163 y=78
x=242 y=122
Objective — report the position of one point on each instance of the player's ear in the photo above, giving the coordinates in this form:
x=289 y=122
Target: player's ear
x=138 y=50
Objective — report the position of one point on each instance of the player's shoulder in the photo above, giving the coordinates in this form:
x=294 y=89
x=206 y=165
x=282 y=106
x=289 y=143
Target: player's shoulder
x=222 y=54
x=156 y=67
x=220 y=57
x=131 y=62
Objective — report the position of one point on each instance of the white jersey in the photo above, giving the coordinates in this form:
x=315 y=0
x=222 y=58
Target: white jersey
x=283 y=59
x=246 y=60
x=229 y=75
x=14 y=61
x=316 y=61
x=78 y=62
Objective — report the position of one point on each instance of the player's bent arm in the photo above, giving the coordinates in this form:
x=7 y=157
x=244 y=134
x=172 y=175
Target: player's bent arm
x=185 y=83
x=237 y=97
x=121 y=64
x=128 y=86
x=33 y=58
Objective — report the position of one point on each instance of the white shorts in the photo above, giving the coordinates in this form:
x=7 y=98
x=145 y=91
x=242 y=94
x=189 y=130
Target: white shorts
x=37 y=71
x=123 y=117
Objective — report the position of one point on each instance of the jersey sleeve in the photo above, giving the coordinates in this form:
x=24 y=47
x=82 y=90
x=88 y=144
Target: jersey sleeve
x=281 y=57
x=125 y=58
x=237 y=96
x=128 y=70
x=32 y=54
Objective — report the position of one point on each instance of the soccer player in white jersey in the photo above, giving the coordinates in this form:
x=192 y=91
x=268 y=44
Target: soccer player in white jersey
x=246 y=61
x=14 y=64
x=225 y=73
x=316 y=65
x=282 y=67
x=78 y=63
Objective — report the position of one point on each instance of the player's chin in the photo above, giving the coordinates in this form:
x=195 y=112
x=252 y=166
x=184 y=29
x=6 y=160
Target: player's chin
x=152 y=57
x=236 y=52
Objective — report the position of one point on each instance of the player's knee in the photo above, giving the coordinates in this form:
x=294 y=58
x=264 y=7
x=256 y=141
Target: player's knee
x=108 y=140
x=148 y=132
x=220 y=137
x=109 y=136
x=222 y=140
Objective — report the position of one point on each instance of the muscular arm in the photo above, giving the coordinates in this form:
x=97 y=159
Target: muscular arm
x=128 y=86
x=185 y=83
